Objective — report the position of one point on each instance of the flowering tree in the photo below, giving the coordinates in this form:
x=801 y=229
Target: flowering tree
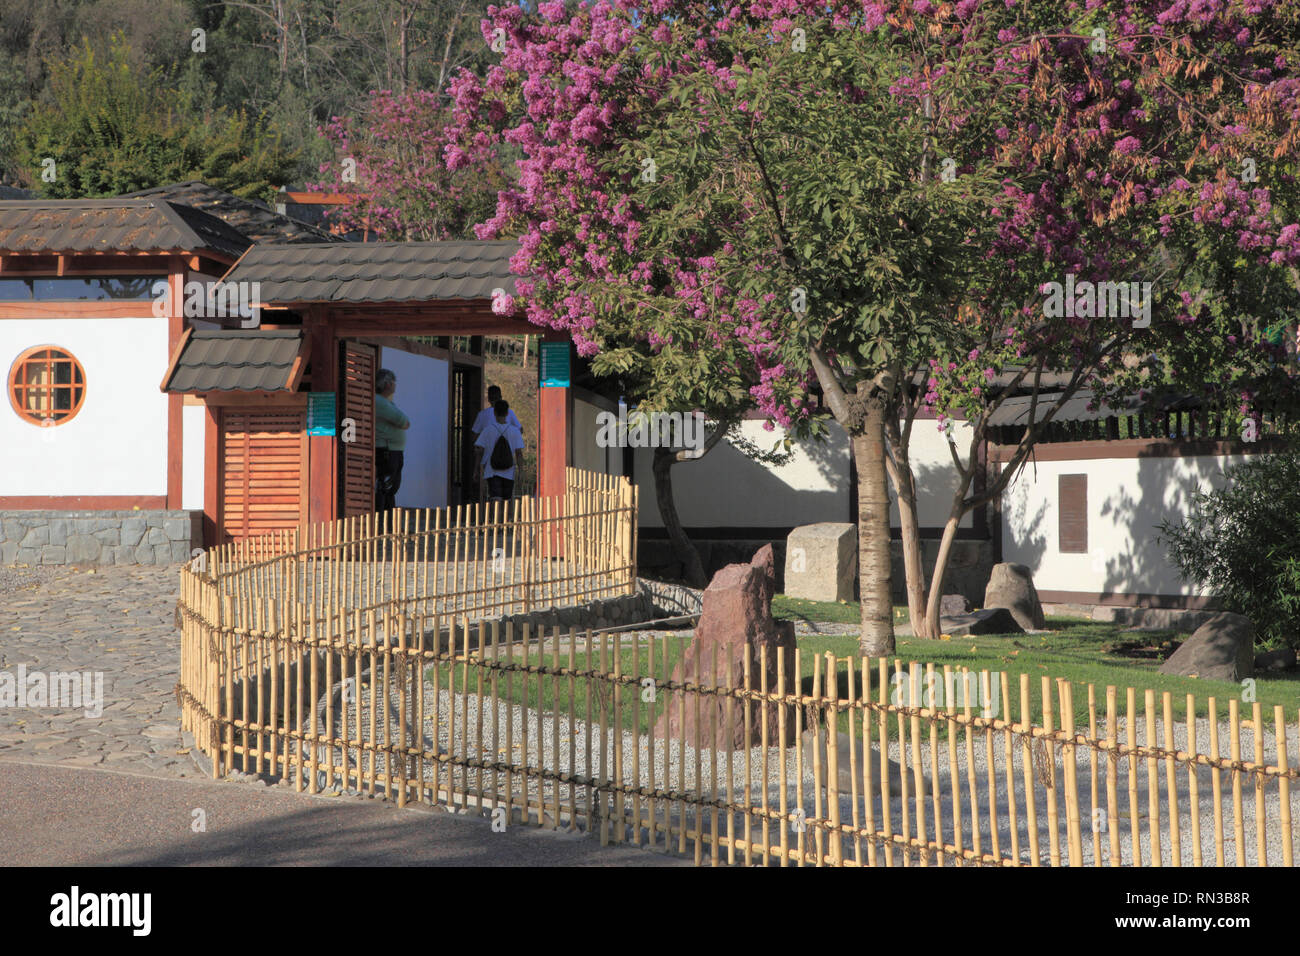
x=848 y=195
x=390 y=160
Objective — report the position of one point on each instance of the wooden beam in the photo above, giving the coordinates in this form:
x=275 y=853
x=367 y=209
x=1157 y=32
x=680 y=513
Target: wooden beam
x=175 y=358
x=212 y=477
x=82 y=502
x=140 y=309
x=322 y=503
x=299 y=365
x=256 y=399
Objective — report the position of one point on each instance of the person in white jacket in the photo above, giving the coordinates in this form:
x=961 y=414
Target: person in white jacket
x=499 y=478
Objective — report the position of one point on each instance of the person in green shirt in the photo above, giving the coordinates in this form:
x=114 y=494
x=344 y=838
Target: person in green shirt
x=390 y=441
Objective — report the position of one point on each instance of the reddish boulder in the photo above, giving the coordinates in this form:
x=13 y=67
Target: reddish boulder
x=735 y=623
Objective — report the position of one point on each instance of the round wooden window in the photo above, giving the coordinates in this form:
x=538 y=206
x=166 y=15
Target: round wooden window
x=47 y=386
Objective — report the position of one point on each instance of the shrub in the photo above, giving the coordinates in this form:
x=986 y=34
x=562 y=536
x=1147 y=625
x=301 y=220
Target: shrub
x=1242 y=544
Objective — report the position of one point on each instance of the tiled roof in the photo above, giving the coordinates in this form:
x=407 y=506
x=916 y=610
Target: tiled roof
x=224 y=360
x=256 y=220
x=113 y=225
x=377 y=271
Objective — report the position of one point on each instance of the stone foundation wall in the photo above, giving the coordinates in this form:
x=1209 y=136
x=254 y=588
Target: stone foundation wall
x=99 y=537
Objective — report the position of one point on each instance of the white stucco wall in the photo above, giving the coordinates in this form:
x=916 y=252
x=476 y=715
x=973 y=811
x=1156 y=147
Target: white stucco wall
x=935 y=477
x=725 y=489
x=422 y=393
x=586 y=453
x=1127 y=499
x=194 y=429
x=117 y=443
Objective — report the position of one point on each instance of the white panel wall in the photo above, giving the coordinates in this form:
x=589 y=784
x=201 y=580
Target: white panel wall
x=1127 y=499
x=725 y=489
x=117 y=443
x=194 y=429
x=935 y=477
x=423 y=389
x=586 y=453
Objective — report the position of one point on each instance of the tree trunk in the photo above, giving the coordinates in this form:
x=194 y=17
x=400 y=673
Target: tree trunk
x=877 y=638
x=913 y=556
x=683 y=547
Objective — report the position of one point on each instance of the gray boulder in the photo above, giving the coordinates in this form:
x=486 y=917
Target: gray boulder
x=1012 y=586
x=821 y=562
x=1223 y=648
x=951 y=605
x=1282 y=659
x=989 y=620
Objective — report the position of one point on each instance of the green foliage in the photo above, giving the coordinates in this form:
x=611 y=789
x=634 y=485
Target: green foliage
x=1242 y=543
x=112 y=128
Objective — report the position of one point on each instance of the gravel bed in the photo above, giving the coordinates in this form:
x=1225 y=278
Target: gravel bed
x=674 y=768
x=14 y=578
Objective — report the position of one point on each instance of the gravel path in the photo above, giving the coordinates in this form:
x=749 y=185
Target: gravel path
x=566 y=745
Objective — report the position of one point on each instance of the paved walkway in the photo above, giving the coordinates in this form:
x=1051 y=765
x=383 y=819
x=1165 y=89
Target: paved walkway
x=118 y=621
x=109 y=818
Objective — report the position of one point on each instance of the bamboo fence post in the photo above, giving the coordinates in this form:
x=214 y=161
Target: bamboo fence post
x=886 y=812
x=713 y=757
x=950 y=711
x=904 y=785
x=636 y=741
x=819 y=735
x=617 y=739
x=1216 y=784
x=1027 y=769
x=1234 y=742
x=1072 y=823
x=1283 y=783
x=1193 y=785
x=1094 y=805
x=868 y=794
x=731 y=761
x=1053 y=819
x=1112 y=775
x=604 y=739
x=652 y=809
x=975 y=828
x=801 y=817
x=914 y=722
x=1135 y=828
x=781 y=735
x=832 y=761
x=990 y=769
x=1153 y=782
x=1261 y=820
x=852 y=712
x=1008 y=754
x=764 y=721
x=1171 y=782
x=932 y=720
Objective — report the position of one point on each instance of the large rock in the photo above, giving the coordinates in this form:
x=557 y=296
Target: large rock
x=989 y=620
x=735 y=622
x=1223 y=648
x=1012 y=586
x=821 y=562
x=814 y=743
x=1282 y=659
x=950 y=605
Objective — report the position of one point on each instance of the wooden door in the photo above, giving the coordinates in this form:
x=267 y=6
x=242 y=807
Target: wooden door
x=357 y=458
x=263 y=473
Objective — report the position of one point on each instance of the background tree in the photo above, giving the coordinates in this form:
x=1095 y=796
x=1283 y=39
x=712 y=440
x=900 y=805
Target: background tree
x=111 y=129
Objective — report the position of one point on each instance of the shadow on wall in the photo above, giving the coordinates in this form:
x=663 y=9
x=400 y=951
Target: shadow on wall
x=1144 y=567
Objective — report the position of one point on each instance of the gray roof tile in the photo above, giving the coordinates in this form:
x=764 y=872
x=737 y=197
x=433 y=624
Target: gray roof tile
x=236 y=360
x=377 y=271
x=113 y=225
x=255 y=220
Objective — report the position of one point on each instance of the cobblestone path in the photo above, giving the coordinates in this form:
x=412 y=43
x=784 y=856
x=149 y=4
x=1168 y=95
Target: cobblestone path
x=118 y=621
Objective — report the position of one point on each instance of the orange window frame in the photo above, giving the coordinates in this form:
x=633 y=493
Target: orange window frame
x=37 y=373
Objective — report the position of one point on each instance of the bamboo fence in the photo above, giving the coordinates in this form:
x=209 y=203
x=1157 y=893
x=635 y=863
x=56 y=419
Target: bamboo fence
x=809 y=759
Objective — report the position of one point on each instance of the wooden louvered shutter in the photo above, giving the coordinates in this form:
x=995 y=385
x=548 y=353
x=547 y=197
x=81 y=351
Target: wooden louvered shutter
x=263 y=452
x=1072 y=513
x=358 y=457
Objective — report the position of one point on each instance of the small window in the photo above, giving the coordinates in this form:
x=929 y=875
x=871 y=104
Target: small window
x=47 y=386
x=1072 y=514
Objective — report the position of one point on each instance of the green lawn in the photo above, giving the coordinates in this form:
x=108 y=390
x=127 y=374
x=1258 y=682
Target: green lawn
x=1075 y=650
